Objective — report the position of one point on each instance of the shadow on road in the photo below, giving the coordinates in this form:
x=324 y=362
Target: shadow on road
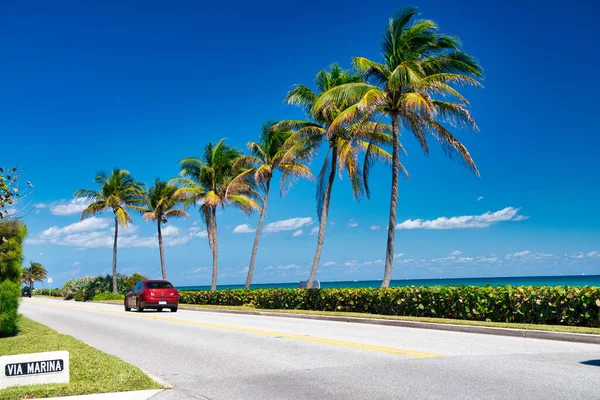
x=595 y=363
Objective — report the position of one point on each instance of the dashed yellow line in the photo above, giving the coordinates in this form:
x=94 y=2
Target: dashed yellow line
x=333 y=342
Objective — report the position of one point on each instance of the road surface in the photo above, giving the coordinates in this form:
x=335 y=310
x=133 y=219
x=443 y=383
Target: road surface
x=227 y=356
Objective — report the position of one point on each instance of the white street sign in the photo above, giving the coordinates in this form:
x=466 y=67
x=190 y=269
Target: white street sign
x=49 y=280
x=34 y=369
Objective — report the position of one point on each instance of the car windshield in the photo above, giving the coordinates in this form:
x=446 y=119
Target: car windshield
x=159 y=285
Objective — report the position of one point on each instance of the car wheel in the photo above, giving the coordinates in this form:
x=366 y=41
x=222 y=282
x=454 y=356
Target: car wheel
x=125 y=304
x=174 y=309
x=159 y=309
x=138 y=307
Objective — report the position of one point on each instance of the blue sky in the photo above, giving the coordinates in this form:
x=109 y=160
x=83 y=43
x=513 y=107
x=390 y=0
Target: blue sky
x=140 y=85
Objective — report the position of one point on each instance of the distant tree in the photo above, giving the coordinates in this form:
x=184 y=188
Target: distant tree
x=13 y=203
x=35 y=272
x=117 y=192
x=413 y=85
x=133 y=279
x=161 y=204
x=344 y=138
x=277 y=150
x=213 y=181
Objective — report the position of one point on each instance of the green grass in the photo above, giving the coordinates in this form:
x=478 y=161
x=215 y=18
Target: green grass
x=92 y=371
x=549 y=328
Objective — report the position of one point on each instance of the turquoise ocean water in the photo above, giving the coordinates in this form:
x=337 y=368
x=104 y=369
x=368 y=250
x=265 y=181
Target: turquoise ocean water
x=578 y=280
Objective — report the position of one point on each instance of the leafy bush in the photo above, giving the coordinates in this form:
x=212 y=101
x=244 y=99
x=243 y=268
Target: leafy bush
x=12 y=235
x=560 y=305
x=10 y=294
x=53 y=292
x=90 y=286
x=79 y=295
x=108 y=296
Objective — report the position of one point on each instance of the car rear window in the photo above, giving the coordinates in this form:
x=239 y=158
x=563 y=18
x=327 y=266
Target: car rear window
x=159 y=285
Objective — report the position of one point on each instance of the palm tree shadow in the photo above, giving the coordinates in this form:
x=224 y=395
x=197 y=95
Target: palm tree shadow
x=595 y=363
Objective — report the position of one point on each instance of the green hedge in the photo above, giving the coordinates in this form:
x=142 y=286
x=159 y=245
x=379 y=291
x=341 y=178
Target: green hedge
x=108 y=296
x=45 y=292
x=12 y=235
x=535 y=305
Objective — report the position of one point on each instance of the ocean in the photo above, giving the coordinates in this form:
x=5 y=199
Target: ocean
x=576 y=280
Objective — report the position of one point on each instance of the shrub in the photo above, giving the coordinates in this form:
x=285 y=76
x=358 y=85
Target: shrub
x=10 y=294
x=108 y=296
x=560 y=305
x=79 y=295
x=12 y=235
x=53 y=292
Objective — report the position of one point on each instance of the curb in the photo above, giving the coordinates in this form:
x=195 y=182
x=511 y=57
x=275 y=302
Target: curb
x=132 y=395
x=486 y=330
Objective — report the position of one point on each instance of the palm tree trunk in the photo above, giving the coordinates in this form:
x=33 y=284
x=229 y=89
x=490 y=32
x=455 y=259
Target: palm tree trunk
x=161 y=250
x=215 y=248
x=263 y=211
x=389 y=252
x=323 y=220
x=114 y=271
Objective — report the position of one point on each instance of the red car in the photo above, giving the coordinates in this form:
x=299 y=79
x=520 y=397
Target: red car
x=152 y=294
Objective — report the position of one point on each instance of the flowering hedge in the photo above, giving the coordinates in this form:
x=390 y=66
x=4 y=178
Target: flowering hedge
x=560 y=305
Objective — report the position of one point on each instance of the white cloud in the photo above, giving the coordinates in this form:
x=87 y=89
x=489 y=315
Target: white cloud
x=76 y=263
x=479 y=198
x=519 y=254
x=288 y=224
x=299 y=232
x=593 y=254
x=329 y=263
x=170 y=231
x=197 y=232
x=351 y=263
x=466 y=221
x=90 y=224
x=314 y=230
x=244 y=228
x=40 y=205
x=289 y=266
x=375 y=227
x=92 y=233
x=70 y=207
x=398 y=255
x=352 y=224
x=456 y=253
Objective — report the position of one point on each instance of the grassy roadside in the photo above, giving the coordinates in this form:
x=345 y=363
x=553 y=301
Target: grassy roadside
x=92 y=371
x=549 y=328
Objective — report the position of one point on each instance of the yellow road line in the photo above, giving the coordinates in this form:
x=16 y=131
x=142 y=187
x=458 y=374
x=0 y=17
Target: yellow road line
x=333 y=342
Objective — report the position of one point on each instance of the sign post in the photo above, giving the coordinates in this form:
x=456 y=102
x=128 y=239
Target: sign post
x=34 y=369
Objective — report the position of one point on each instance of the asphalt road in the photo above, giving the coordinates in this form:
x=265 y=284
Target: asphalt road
x=226 y=356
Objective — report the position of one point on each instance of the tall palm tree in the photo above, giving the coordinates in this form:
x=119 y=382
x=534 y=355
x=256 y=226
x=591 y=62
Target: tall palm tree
x=418 y=69
x=35 y=272
x=344 y=140
x=276 y=150
x=212 y=181
x=117 y=192
x=161 y=204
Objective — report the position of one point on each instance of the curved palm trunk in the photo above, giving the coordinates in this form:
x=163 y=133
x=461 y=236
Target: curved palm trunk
x=215 y=248
x=323 y=221
x=114 y=271
x=389 y=252
x=263 y=211
x=162 y=252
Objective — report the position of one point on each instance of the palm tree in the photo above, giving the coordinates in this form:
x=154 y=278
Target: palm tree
x=118 y=192
x=212 y=181
x=418 y=64
x=344 y=139
x=276 y=150
x=35 y=272
x=161 y=203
